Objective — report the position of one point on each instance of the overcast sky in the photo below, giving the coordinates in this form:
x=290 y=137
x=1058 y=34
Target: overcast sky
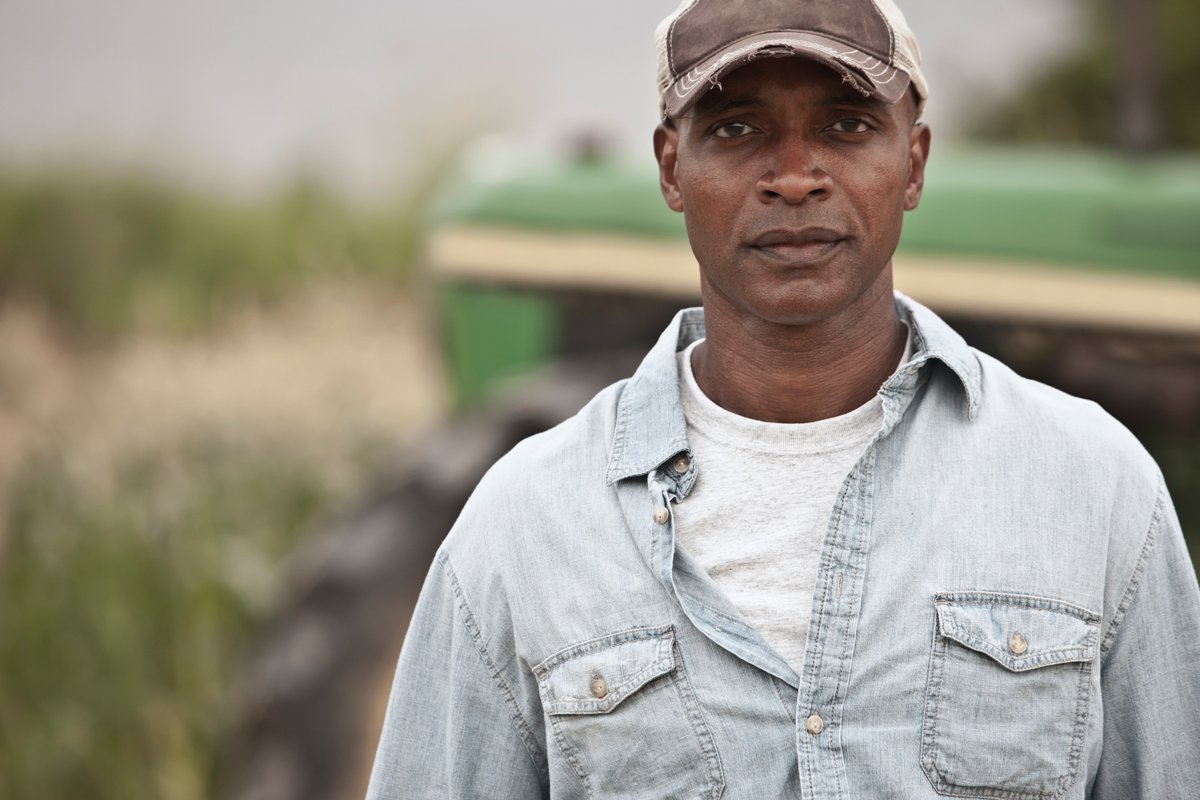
x=245 y=91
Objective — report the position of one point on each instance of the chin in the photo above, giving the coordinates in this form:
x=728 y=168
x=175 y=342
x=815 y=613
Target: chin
x=802 y=303
x=795 y=311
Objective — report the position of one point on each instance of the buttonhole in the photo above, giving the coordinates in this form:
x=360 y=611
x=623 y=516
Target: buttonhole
x=837 y=585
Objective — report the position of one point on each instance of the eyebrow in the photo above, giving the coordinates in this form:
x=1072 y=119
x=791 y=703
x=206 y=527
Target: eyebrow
x=728 y=104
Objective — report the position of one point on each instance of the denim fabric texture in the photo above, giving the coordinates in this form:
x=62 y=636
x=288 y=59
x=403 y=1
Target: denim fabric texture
x=1004 y=608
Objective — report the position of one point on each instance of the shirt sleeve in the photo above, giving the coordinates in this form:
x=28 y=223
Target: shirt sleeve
x=453 y=728
x=1150 y=674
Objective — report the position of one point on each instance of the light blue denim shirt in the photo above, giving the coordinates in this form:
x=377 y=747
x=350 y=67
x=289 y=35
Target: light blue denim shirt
x=1004 y=608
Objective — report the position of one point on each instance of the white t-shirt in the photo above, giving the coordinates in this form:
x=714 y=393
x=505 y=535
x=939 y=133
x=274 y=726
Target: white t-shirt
x=759 y=509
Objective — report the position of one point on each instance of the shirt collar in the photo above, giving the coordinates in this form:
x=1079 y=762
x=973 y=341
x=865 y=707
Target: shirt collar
x=933 y=339
x=650 y=426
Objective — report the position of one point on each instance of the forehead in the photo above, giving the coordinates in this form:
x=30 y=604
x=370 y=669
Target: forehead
x=791 y=79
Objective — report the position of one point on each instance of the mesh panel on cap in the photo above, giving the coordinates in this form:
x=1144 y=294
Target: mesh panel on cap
x=662 y=36
x=906 y=53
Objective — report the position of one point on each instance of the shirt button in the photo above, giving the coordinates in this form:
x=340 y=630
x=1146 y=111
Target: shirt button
x=1017 y=644
x=661 y=515
x=814 y=724
x=683 y=464
x=599 y=688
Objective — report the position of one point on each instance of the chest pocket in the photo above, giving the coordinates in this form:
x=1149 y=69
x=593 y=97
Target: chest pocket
x=1008 y=696
x=626 y=719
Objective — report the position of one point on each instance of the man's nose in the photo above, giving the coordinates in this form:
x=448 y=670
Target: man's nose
x=792 y=173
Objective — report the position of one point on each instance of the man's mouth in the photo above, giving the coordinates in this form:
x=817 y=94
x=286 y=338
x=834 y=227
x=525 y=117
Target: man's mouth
x=798 y=246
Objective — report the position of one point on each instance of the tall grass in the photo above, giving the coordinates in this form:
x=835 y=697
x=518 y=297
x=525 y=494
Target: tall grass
x=123 y=616
x=128 y=599
x=111 y=254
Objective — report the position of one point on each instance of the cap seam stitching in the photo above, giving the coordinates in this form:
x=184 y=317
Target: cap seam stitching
x=891 y=32
x=671 y=69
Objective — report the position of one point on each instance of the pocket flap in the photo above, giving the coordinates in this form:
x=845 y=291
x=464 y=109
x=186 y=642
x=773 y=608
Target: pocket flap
x=1020 y=632
x=593 y=677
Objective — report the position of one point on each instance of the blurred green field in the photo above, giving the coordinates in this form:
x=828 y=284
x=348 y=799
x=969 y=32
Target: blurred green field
x=188 y=384
x=124 y=616
x=112 y=254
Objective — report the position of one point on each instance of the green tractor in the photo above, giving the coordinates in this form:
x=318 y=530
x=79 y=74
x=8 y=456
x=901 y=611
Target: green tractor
x=1055 y=242
x=1080 y=270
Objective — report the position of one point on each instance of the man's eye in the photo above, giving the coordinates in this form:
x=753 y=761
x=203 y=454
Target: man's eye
x=851 y=125
x=732 y=130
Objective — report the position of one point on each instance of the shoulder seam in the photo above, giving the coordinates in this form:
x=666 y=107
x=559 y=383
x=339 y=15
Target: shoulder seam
x=1139 y=569
x=518 y=719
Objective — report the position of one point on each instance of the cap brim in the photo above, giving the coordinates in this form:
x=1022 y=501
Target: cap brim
x=868 y=74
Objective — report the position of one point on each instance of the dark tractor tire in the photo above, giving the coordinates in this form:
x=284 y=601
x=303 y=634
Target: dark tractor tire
x=311 y=700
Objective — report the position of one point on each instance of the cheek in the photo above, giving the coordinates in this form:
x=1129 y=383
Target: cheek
x=711 y=183
x=880 y=194
x=709 y=206
x=700 y=188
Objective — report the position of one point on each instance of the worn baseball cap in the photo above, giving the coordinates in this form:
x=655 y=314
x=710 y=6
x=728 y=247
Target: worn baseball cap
x=867 y=41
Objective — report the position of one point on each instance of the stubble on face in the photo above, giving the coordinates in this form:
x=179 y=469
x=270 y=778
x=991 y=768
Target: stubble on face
x=793 y=187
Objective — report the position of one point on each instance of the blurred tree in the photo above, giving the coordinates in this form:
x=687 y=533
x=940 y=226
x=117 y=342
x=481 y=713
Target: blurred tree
x=1131 y=84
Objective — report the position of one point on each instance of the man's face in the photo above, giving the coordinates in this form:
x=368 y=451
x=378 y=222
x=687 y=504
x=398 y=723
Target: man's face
x=793 y=187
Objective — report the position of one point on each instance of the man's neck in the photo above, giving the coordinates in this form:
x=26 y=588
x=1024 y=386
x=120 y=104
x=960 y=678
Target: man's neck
x=798 y=373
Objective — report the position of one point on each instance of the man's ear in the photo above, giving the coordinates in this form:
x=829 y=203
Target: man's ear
x=918 y=155
x=666 y=152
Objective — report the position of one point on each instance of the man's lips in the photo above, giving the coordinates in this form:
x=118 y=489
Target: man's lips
x=796 y=245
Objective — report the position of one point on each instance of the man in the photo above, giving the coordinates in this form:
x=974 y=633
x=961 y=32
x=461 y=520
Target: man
x=816 y=546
